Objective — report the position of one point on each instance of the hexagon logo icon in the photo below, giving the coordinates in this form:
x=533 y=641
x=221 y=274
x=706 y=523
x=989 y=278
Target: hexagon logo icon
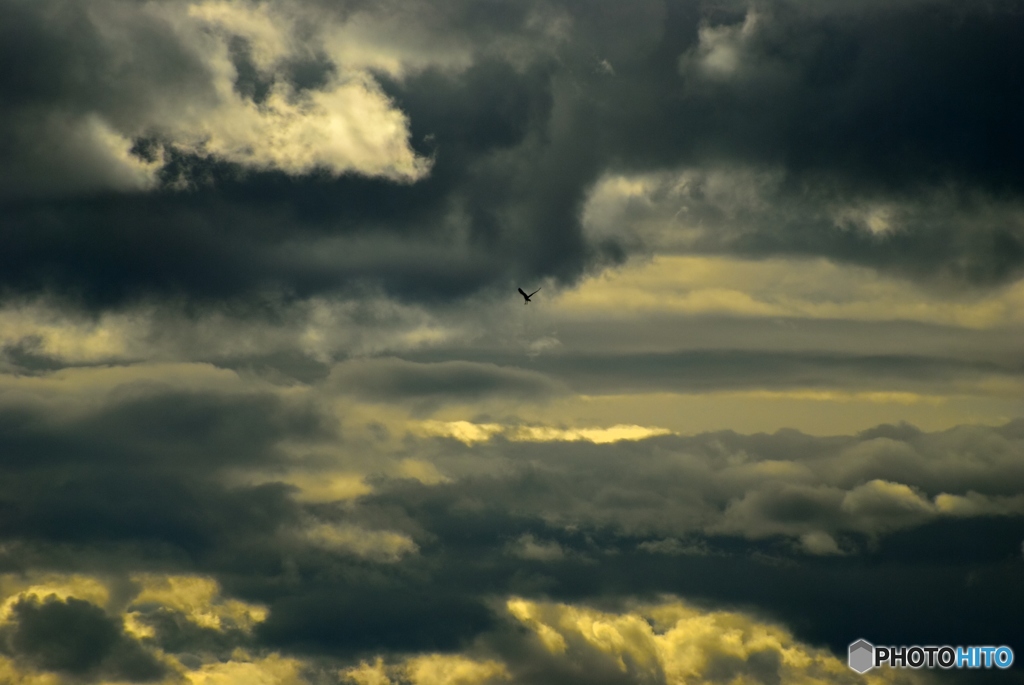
x=862 y=656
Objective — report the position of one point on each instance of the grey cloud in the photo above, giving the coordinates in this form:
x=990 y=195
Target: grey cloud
x=831 y=99
x=146 y=425
x=143 y=480
x=698 y=370
x=947 y=232
x=853 y=104
x=71 y=65
x=25 y=356
x=306 y=230
x=146 y=472
x=391 y=379
x=399 y=614
x=787 y=485
x=76 y=637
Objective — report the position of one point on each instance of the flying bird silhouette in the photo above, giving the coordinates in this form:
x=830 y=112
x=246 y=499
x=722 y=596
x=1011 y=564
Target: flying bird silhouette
x=527 y=297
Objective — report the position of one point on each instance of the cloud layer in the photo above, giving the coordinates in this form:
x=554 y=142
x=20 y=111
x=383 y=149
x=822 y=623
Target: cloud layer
x=271 y=409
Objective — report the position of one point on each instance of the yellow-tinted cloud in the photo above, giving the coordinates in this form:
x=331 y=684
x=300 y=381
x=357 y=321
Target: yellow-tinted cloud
x=316 y=486
x=368 y=674
x=813 y=411
x=420 y=470
x=443 y=669
x=14 y=588
x=975 y=504
x=271 y=670
x=11 y=674
x=63 y=336
x=428 y=669
x=199 y=599
x=873 y=397
x=667 y=642
x=674 y=643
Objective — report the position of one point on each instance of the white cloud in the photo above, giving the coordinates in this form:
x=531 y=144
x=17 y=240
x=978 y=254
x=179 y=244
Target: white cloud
x=349 y=125
x=167 y=72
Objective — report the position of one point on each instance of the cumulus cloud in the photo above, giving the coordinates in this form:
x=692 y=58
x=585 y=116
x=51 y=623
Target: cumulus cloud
x=669 y=642
x=346 y=123
x=187 y=81
x=666 y=642
x=150 y=627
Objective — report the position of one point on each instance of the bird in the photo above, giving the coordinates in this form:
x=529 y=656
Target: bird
x=527 y=297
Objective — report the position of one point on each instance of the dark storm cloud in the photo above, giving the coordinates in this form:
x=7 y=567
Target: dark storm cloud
x=848 y=105
x=76 y=637
x=873 y=102
x=393 y=615
x=206 y=431
x=146 y=470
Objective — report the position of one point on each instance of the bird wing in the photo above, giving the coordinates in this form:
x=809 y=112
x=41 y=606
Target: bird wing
x=533 y=293
x=522 y=293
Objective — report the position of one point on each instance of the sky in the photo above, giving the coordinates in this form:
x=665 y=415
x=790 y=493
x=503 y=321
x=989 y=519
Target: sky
x=272 y=411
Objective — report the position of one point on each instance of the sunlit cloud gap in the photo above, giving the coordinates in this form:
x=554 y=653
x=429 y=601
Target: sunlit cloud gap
x=469 y=433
